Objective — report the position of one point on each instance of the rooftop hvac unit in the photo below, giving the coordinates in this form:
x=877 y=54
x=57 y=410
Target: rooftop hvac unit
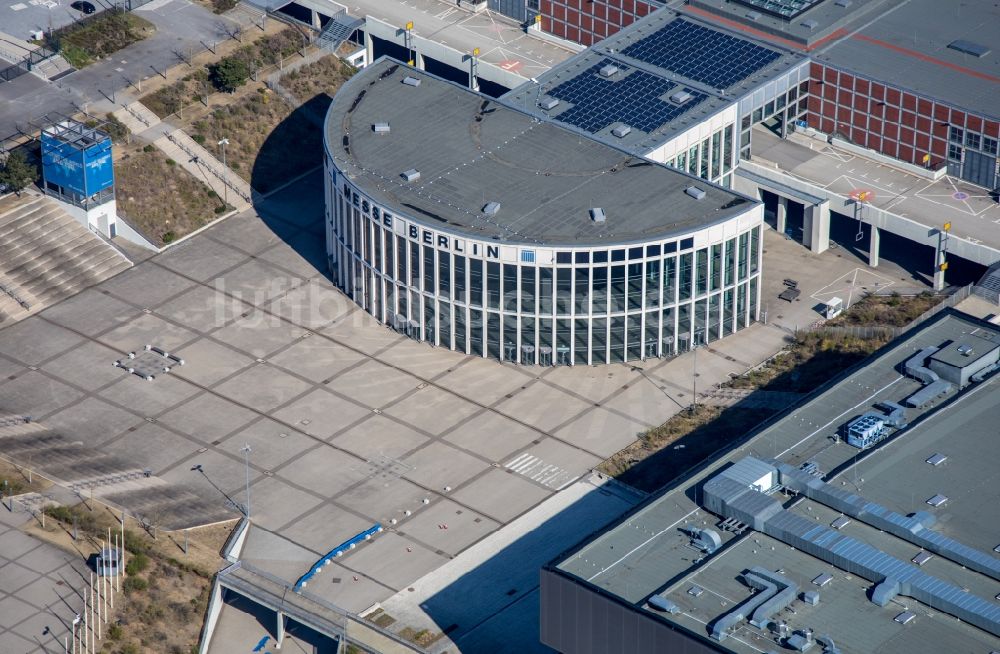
x=621 y=131
x=753 y=15
x=608 y=70
x=411 y=175
x=491 y=208
x=597 y=215
x=411 y=81
x=695 y=192
x=380 y=128
x=810 y=24
x=680 y=97
x=548 y=103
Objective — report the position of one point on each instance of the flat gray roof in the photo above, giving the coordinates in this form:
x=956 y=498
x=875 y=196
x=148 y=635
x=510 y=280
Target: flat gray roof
x=907 y=46
x=977 y=347
x=670 y=56
x=817 y=23
x=471 y=150
x=646 y=553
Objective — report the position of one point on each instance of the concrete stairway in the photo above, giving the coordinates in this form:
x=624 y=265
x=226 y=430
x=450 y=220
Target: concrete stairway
x=91 y=472
x=46 y=255
x=137 y=117
x=204 y=166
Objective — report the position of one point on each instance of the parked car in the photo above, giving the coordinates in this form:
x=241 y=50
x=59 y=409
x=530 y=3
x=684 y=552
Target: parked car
x=84 y=7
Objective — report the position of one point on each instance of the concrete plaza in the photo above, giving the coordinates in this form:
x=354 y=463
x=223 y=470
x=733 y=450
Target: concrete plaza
x=348 y=422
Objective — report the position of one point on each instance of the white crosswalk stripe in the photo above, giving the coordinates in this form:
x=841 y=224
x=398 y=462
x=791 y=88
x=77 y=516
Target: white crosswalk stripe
x=537 y=470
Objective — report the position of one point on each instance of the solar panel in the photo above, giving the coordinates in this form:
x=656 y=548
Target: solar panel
x=630 y=96
x=701 y=54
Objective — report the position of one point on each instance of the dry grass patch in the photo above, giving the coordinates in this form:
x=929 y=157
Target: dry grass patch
x=171 y=99
x=325 y=75
x=269 y=144
x=161 y=199
x=15 y=480
x=165 y=591
x=887 y=310
x=88 y=40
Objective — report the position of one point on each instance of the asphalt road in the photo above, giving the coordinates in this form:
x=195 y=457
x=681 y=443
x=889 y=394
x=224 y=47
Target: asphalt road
x=182 y=27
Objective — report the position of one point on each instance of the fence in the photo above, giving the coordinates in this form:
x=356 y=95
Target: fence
x=889 y=331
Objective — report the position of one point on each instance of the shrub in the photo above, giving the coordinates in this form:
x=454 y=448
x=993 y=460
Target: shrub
x=114 y=632
x=116 y=129
x=138 y=563
x=230 y=73
x=198 y=138
x=148 y=148
x=221 y=209
x=135 y=544
x=131 y=648
x=168 y=237
x=222 y=6
x=171 y=162
x=135 y=584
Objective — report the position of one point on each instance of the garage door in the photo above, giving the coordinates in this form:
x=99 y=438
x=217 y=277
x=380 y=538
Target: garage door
x=516 y=9
x=979 y=168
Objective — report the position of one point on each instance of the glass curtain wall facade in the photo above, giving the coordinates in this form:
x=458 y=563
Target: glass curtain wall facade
x=588 y=306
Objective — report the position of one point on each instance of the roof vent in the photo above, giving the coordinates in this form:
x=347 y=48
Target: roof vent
x=411 y=175
x=411 y=81
x=937 y=459
x=810 y=24
x=965 y=350
x=491 y=208
x=937 y=500
x=597 y=215
x=548 y=103
x=680 y=97
x=381 y=128
x=969 y=48
x=753 y=15
x=621 y=131
x=844 y=3
x=905 y=617
x=695 y=192
x=607 y=70
x=922 y=557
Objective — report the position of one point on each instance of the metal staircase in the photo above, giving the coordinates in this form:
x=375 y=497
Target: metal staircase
x=339 y=29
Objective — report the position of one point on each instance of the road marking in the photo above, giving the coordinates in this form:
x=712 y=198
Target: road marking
x=537 y=470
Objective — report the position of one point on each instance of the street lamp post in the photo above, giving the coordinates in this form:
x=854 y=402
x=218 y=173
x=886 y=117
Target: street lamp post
x=246 y=458
x=225 y=186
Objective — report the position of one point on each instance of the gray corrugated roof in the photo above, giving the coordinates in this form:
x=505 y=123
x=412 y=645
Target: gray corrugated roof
x=471 y=150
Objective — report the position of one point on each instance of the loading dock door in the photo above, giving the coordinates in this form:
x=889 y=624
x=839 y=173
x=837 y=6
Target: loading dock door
x=515 y=9
x=979 y=168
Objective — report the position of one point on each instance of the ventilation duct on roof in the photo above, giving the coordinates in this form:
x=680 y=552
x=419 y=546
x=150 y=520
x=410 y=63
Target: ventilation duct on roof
x=548 y=103
x=810 y=24
x=380 y=128
x=491 y=208
x=411 y=81
x=695 y=192
x=411 y=175
x=753 y=15
x=608 y=70
x=621 y=131
x=597 y=215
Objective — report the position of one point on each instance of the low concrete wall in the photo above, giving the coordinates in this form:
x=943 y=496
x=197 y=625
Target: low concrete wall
x=442 y=53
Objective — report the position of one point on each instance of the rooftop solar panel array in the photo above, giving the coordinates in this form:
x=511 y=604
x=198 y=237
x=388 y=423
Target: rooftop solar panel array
x=629 y=96
x=701 y=54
